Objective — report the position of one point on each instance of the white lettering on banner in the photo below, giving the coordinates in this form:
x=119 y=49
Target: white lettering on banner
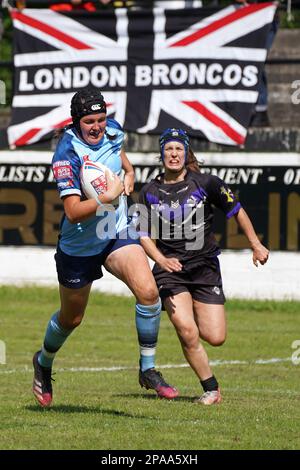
x=73 y=77
x=43 y=79
x=143 y=174
x=81 y=77
x=23 y=84
x=62 y=78
x=292 y=176
x=236 y=175
x=195 y=74
x=159 y=74
x=19 y=174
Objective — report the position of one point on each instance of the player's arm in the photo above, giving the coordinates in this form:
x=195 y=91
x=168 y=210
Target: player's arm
x=168 y=264
x=129 y=173
x=222 y=196
x=78 y=211
x=260 y=252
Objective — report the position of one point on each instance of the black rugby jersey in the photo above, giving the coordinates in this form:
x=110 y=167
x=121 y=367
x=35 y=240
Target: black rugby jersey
x=182 y=211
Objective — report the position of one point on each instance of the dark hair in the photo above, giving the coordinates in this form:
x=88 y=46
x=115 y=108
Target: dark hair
x=58 y=134
x=192 y=162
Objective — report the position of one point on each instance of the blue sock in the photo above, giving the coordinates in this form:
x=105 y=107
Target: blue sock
x=147 y=321
x=54 y=339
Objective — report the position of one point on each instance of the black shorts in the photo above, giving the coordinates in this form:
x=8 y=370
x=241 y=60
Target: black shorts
x=203 y=282
x=75 y=272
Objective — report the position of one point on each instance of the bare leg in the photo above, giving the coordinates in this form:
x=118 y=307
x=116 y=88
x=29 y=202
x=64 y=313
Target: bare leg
x=130 y=264
x=181 y=314
x=73 y=305
x=211 y=321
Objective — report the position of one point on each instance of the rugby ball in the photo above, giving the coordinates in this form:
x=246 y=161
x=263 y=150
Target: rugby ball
x=93 y=180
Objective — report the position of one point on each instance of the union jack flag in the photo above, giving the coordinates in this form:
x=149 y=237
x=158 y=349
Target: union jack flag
x=194 y=69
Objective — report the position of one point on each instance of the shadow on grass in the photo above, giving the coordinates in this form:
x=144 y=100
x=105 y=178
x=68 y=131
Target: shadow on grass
x=155 y=397
x=81 y=409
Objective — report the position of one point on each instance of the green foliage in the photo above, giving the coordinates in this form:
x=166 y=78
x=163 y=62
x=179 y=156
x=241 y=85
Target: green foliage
x=6 y=73
x=108 y=410
x=290 y=23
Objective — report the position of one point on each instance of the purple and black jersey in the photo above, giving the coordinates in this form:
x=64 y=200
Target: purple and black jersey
x=181 y=210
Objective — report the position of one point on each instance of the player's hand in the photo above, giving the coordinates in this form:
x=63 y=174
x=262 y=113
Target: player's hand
x=169 y=264
x=128 y=183
x=260 y=254
x=114 y=188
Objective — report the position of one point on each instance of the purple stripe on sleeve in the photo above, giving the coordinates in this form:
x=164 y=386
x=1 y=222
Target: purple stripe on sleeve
x=234 y=210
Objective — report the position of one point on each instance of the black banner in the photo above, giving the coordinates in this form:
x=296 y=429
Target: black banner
x=30 y=209
x=192 y=68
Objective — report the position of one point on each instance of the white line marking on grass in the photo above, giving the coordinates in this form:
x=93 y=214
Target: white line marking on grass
x=270 y=391
x=217 y=362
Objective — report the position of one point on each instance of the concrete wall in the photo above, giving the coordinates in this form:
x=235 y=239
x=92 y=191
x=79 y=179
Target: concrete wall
x=278 y=279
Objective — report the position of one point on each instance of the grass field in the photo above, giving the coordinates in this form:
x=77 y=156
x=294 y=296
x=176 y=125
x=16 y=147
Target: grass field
x=107 y=409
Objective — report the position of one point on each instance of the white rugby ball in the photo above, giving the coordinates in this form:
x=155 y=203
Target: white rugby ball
x=93 y=180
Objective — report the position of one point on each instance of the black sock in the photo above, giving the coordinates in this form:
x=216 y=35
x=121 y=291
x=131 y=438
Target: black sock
x=210 y=384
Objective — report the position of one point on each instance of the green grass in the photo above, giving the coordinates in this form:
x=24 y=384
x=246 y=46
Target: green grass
x=108 y=409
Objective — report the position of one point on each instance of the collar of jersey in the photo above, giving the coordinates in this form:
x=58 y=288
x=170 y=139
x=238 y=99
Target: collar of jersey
x=160 y=178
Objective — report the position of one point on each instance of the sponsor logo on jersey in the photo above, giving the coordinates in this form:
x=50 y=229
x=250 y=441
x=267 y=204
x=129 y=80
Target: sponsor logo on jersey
x=65 y=184
x=62 y=170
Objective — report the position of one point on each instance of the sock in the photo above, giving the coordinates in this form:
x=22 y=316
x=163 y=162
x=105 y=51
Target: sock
x=210 y=384
x=147 y=321
x=54 y=339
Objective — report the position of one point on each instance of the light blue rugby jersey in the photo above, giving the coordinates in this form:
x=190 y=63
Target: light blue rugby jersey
x=81 y=239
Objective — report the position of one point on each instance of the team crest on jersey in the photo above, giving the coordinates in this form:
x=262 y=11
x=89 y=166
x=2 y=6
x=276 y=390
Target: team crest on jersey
x=99 y=184
x=228 y=193
x=175 y=204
